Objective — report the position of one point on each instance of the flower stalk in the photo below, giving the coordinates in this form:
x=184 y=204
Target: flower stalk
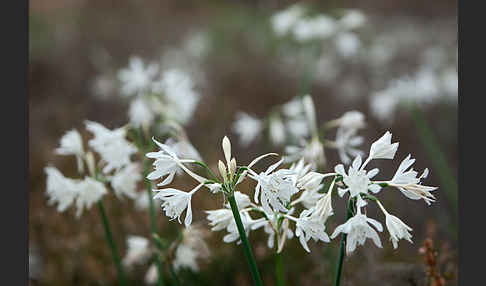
x=244 y=241
x=349 y=214
x=114 y=250
x=279 y=269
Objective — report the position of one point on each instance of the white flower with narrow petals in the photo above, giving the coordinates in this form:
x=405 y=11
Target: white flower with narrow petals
x=397 y=228
x=233 y=234
x=138 y=250
x=323 y=207
x=247 y=127
x=90 y=191
x=358 y=229
x=175 y=202
x=309 y=226
x=219 y=219
x=112 y=146
x=383 y=148
x=137 y=77
x=60 y=189
x=167 y=163
x=124 y=181
x=346 y=143
x=357 y=180
x=409 y=184
x=72 y=144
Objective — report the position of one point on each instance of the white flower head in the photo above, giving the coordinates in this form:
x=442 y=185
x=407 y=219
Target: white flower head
x=166 y=163
x=383 y=148
x=247 y=127
x=112 y=146
x=358 y=229
x=175 y=202
x=219 y=219
x=352 y=120
x=90 y=191
x=185 y=257
x=138 y=250
x=136 y=77
x=283 y=21
x=276 y=130
x=124 y=181
x=72 y=144
x=348 y=44
x=309 y=226
x=397 y=228
x=409 y=184
x=140 y=113
x=312 y=151
x=346 y=143
x=60 y=189
x=232 y=229
x=352 y=19
x=319 y=27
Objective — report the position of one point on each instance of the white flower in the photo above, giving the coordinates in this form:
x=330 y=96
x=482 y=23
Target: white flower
x=60 y=189
x=352 y=120
x=397 y=228
x=112 y=146
x=274 y=188
x=72 y=144
x=358 y=230
x=357 y=180
x=124 y=182
x=276 y=130
x=242 y=200
x=219 y=219
x=409 y=184
x=140 y=113
x=293 y=108
x=247 y=127
x=185 y=257
x=183 y=149
x=352 y=19
x=310 y=113
x=138 y=250
x=90 y=191
x=142 y=200
x=346 y=142
x=152 y=275
x=284 y=20
x=383 y=148
x=310 y=181
x=312 y=152
x=233 y=234
x=348 y=44
x=136 y=77
x=323 y=207
x=319 y=27
x=166 y=163
x=297 y=127
x=308 y=226
x=175 y=202
x=178 y=89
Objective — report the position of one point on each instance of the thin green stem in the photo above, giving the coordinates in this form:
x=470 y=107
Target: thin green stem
x=244 y=241
x=279 y=269
x=109 y=238
x=349 y=214
x=175 y=280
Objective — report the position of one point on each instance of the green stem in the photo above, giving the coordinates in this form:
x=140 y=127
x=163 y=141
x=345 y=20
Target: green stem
x=175 y=280
x=349 y=214
x=153 y=227
x=109 y=238
x=279 y=269
x=244 y=241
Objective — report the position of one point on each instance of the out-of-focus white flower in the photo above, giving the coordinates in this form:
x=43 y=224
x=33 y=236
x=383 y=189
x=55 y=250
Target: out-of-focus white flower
x=383 y=148
x=276 y=130
x=140 y=113
x=124 y=181
x=183 y=149
x=347 y=142
x=274 y=189
x=383 y=106
x=136 y=77
x=152 y=275
x=409 y=184
x=312 y=152
x=178 y=90
x=233 y=234
x=72 y=144
x=357 y=180
x=90 y=191
x=242 y=200
x=319 y=27
x=247 y=127
x=219 y=219
x=283 y=21
x=138 y=250
x=449 y=82
x=142 y=201
x=112 y=146
x=176 y=201
x=185 y=257
x=310 y=113
x=60 y=189
x=308 y=226
x=293 y=108
x=397 y=228
x=348 y=44
x=352 y=19
x=297 y=127
x=190 y=249
x=358 y=230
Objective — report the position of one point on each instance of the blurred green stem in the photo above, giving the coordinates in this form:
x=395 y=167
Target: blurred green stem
x=109 y=238
x=279 y=269
x=244 y=241
x=175 y=280
x=349 y=214
x=446 y=177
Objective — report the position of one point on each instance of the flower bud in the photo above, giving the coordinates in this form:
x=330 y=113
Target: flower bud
x=222 y=169
x=227 y=148
x=232 y=167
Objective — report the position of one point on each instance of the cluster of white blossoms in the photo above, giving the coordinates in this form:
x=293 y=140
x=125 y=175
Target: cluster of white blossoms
x=295 y=124
x=117 y=169
x=280 y=191
x=183 y=253
x=169 y=93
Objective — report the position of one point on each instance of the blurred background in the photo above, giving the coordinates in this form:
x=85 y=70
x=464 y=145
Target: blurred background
x=238 y=64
